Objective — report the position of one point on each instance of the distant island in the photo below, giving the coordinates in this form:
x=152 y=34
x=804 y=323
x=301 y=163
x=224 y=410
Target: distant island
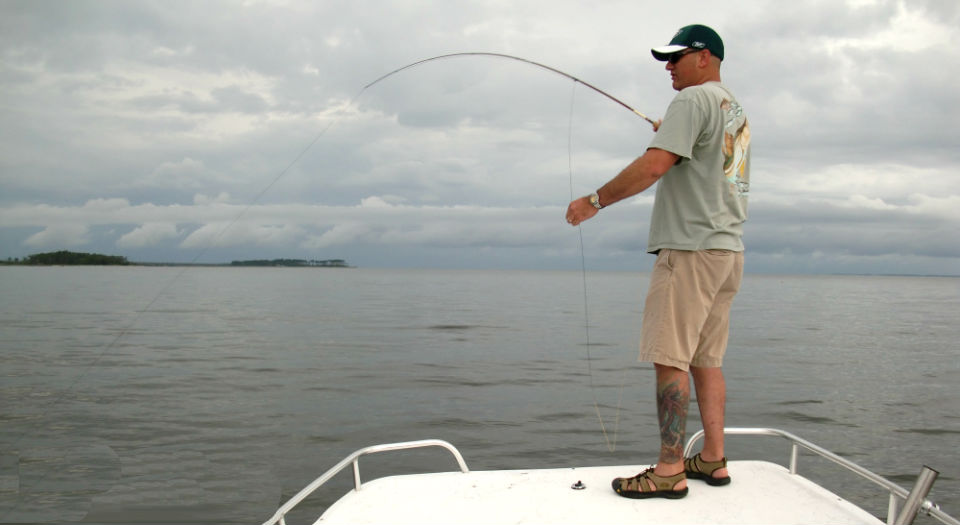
x=64 y=258
x=68 y=258
x=329 y=263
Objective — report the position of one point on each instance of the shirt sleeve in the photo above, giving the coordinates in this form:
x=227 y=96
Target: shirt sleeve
x=681 y=126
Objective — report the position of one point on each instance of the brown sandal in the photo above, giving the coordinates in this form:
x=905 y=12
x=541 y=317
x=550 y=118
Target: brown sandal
x=638 y=488
x=697 y=468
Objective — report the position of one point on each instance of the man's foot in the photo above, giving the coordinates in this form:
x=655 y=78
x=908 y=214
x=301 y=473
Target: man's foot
x=713 y=472
x=649 y=485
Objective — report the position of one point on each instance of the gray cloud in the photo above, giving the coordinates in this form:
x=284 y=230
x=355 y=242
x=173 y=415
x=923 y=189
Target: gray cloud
x=145 y=128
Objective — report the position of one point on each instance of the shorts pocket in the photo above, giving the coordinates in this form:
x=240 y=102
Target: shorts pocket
x=720 y=253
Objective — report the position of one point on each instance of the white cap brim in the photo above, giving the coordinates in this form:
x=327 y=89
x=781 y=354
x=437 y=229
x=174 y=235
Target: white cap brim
x=663 y=53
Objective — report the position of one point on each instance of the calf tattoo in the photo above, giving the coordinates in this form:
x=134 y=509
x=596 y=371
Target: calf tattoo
x=672 y=403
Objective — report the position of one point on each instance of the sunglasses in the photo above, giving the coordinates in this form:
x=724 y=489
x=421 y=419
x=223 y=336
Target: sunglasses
x=674 y=58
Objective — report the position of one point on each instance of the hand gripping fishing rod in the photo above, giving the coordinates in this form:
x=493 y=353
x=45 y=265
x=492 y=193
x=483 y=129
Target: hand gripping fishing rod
x=518 y=59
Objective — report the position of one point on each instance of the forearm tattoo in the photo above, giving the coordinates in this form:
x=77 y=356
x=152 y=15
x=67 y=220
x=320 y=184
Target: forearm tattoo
x=672 y=403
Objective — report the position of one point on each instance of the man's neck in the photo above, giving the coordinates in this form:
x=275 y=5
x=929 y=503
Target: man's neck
x=712 y=76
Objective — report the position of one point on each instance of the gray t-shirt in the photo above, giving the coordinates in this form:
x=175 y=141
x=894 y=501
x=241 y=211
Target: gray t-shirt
x=701 y=202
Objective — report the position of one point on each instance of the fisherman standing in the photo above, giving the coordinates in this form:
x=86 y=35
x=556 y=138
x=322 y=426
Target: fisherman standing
x=701 y=157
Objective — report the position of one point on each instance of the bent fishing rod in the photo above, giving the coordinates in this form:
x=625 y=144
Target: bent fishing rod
x=518 y=59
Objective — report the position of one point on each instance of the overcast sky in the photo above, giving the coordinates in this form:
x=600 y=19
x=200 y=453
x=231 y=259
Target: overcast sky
x=184 y=131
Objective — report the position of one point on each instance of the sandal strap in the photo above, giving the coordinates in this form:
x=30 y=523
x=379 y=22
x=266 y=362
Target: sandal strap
x=698 y=464
x=638 y=482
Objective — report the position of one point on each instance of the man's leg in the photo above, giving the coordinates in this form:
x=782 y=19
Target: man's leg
x=705 y=366
x=712 y=398
x=673 y=401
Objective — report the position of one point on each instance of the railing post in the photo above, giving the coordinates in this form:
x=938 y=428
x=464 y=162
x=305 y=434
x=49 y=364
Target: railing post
x=356 y=473
x=794 y=452
x=917 y=495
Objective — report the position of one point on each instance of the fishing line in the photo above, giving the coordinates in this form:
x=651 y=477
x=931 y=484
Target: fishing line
x=611 y=443
x=140 y=313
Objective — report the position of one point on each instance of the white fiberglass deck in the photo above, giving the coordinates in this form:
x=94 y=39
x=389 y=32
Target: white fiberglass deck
x=761 y=492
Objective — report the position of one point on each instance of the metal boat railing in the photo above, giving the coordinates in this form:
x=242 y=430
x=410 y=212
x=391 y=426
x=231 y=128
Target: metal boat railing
x=915 y=500
x=354 y=459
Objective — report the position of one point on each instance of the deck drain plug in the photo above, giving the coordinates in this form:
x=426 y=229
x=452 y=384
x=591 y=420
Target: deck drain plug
x=578 y=486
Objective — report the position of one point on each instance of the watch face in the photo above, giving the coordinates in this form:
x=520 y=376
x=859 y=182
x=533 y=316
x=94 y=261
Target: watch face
x=595 y=200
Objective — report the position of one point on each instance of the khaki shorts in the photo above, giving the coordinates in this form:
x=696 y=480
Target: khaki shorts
x=686 y=319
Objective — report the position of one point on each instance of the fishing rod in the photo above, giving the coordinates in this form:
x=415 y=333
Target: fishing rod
x=518 y=59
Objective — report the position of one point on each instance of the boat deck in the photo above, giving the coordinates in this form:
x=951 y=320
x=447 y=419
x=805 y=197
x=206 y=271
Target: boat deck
x=761 y=492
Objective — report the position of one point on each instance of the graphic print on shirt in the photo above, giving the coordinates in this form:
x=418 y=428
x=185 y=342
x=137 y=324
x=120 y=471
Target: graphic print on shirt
x=735 y=145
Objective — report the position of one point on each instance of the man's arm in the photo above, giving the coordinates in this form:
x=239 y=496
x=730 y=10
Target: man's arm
x=636 y=177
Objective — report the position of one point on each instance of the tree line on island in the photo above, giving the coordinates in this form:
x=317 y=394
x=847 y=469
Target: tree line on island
x=328 y=263
x=68 y=258
x=65 y=258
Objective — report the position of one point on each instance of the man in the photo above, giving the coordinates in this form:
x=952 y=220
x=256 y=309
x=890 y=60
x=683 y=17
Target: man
x=701 y=157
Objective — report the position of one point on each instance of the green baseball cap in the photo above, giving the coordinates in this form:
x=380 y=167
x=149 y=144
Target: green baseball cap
x=694 y=36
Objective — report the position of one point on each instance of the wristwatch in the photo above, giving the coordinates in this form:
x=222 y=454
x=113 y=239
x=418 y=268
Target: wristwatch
x=595 y=200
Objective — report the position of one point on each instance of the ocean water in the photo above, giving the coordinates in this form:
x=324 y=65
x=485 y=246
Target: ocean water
x=188 y=395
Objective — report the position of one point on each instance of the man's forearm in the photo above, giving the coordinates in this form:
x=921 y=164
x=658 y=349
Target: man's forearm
x=636 y=177
x=639 y=175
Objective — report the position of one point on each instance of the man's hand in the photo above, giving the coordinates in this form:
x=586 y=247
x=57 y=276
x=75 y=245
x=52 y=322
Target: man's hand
x=580 y=210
